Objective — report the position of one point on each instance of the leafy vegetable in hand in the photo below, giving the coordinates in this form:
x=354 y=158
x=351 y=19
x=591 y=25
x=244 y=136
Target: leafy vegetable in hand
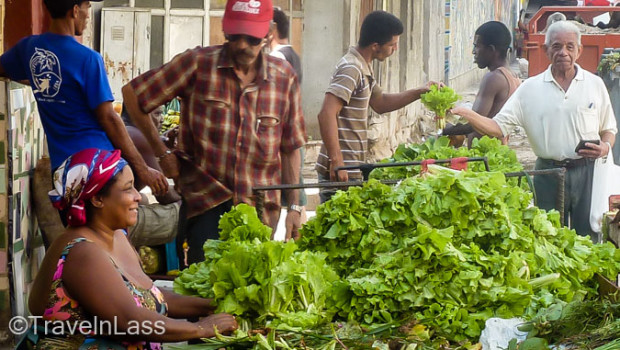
x=440 y=100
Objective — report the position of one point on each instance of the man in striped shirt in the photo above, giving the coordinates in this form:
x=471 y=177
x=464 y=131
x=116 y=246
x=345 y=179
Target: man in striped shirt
x=343 y=119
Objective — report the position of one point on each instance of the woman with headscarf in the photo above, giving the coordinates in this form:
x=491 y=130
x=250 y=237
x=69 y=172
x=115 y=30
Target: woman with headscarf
x=91 y=291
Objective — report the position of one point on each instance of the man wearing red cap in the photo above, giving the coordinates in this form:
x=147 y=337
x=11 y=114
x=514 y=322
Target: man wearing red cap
x=241 y=125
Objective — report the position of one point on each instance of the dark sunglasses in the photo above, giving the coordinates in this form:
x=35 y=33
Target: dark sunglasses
x=252 y=40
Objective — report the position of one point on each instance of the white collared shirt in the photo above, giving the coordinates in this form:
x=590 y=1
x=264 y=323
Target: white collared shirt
x=275 y=52
x=554 y=120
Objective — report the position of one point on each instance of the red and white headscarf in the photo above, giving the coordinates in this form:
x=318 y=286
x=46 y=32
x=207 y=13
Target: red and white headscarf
x=80 y=177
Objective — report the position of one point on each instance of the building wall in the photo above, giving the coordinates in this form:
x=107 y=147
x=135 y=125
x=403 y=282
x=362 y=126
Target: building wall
x=418 y=60
x=23 y=17
x=325 y=39
x=436 y=45
x=22 y=144
x=5 y=285
x=465 y=17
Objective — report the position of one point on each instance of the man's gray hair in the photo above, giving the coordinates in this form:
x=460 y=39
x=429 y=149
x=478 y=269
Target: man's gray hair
x=562 y=27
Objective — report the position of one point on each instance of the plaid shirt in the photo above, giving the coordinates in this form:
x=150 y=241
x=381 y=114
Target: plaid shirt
x=230 y=138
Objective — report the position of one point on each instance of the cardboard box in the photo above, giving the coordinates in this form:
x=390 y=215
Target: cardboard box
x=607 y=287
x=611 y=230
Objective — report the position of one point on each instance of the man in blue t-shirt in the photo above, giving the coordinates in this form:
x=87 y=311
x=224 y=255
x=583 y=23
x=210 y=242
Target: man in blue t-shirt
x=72 y=91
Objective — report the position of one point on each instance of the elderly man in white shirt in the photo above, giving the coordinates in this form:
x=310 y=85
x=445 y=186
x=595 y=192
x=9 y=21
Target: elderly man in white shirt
x=557 y=109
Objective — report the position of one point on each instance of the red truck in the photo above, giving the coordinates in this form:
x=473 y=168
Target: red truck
x=594 y=41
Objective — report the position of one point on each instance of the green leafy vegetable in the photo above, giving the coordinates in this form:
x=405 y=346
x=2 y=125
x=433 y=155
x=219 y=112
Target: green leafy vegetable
x=500 y=157
x=270 y=282
x=452 y=249
x=440 y=100
x=591 y=324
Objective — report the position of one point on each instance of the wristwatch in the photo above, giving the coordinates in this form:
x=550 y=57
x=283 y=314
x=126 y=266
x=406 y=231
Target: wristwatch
x=295 y=207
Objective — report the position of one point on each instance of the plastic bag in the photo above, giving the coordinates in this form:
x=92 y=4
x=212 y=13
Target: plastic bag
x=605 y=182
x=499 y=332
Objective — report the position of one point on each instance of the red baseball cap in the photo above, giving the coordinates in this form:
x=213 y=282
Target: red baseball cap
x=249 y=17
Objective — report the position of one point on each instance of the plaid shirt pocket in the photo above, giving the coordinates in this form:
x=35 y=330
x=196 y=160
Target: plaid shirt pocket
x=268 y=133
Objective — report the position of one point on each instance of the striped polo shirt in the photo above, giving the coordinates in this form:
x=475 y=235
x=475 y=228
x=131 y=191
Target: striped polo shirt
x=354 y=84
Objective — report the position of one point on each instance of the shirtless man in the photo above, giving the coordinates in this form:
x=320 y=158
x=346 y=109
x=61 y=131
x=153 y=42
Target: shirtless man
x=491 y=43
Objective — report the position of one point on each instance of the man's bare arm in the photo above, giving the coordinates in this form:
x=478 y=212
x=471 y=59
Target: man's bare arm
x=328 y=125
x=483 y=125
x=386 y=102
x=291 y=163
x=491 y=86
x=168 y=163
x=117 y=133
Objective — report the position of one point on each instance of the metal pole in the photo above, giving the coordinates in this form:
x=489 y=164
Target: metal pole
x=260 y=196
x=560 y=173
x=366 y=169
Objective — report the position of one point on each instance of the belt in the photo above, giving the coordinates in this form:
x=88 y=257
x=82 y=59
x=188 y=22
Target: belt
x=567 y=163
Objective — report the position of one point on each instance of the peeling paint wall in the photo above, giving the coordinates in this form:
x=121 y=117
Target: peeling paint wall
x=21 y=145
x=410 y=67
x=418 y=60
x=465 y=17
x=326 y=38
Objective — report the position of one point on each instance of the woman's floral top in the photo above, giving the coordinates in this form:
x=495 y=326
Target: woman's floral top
x=91 y=335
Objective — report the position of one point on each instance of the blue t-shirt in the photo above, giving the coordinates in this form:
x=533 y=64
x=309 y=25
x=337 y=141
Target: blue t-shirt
x=69 y=82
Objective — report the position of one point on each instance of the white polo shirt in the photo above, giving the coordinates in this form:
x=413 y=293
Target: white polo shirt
x=555 y=121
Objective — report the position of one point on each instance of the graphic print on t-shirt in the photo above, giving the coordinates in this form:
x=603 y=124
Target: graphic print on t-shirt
x=45 y=69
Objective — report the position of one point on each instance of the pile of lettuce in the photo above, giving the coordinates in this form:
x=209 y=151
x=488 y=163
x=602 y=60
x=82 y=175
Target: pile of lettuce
x=452 y=249
x=442 y=252
x=265 y=281
x=501 y=158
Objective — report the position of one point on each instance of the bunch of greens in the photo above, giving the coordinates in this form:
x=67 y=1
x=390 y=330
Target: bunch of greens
x=501 y=158
x=266 y=281
x=609 y=63
x=576 y=325
x=241 y=224
x=440 y=100
x=451 y=250
x=331 y=336
x=172 y=116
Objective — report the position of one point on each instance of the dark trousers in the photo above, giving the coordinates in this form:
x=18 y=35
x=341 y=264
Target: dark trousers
x=197 y=230
x=325 y=194
x=577 y=194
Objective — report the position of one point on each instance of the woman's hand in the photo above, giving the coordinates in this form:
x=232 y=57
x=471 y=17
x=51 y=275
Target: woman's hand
x=225 y=324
